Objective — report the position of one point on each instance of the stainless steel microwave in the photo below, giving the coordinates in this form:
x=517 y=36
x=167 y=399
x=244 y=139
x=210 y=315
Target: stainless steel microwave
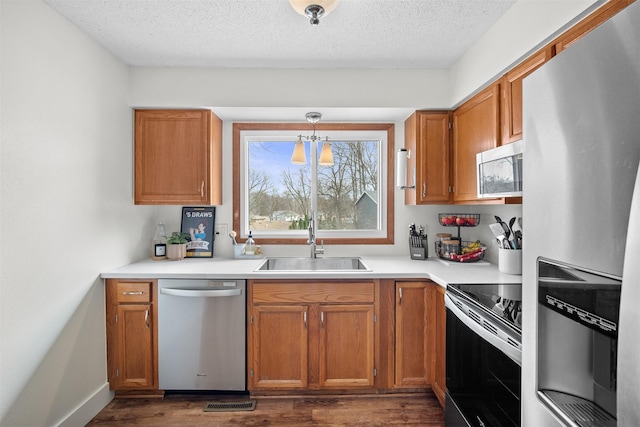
x=499 y=171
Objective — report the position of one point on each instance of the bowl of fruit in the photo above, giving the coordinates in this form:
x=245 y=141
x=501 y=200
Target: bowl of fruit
x=460 y=251
x=458 y=220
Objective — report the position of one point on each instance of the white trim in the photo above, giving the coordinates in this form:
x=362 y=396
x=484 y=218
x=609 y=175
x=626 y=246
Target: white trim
x=89 y=408
x=334 y=135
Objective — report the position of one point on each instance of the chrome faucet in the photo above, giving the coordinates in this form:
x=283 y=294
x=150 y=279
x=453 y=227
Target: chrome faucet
x=312 y=238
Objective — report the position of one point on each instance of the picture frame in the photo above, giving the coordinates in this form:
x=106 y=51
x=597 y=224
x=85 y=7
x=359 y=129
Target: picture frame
x=199 y=224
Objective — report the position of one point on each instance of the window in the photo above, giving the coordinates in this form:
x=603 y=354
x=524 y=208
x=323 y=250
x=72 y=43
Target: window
x=352 y=199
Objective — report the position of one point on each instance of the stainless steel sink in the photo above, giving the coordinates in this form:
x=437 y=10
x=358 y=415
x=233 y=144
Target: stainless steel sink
x=313 y=264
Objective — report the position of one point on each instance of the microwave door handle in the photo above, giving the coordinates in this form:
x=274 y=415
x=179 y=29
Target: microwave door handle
x=200 y=293
x=506 y=348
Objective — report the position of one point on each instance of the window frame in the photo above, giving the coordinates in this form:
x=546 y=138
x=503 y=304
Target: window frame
x=295 y=129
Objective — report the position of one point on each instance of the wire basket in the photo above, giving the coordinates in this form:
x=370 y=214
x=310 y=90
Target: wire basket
x=460 y=251
x=458 y=219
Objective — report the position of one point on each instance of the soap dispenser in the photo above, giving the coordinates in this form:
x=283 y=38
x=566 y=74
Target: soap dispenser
x=159 y=245
x=250 y=245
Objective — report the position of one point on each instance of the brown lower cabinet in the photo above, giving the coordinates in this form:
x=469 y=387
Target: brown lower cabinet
x=311 y=334
x=440 y=349
x=132 y=351
x=332 y=335
x=413 y=335
x=420 y=332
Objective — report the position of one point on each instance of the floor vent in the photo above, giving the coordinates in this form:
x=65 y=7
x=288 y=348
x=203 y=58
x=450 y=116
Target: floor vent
x=249 y=405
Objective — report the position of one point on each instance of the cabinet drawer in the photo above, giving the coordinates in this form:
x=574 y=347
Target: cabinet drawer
x=133 y=292
x=313 y=292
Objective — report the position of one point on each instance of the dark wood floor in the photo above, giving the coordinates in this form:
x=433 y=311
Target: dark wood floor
x=188 y=411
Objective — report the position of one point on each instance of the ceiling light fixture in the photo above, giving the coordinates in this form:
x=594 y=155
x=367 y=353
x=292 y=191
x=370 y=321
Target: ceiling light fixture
x=299 y=156
x=313 y=9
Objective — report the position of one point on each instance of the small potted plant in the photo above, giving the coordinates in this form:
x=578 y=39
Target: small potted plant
x=177 y=246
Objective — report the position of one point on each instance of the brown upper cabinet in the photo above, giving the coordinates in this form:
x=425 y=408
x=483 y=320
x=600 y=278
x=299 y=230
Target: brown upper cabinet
x=572 y=35
x=427 y=137
x=178 y=157
x=476 y=128
x=511 y=100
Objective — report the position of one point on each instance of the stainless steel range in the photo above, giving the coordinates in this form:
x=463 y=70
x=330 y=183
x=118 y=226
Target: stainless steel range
x=484 y=355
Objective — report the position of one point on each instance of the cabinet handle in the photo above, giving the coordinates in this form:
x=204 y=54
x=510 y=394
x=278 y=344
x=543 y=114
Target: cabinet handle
x=133 y=293
x=322 y=319
x=400 y=292
x=424 y=189
x=202 y=189
x=304 y=317
x=146 y=318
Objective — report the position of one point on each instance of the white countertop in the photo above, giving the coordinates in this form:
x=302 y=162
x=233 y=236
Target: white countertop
x=433 y=268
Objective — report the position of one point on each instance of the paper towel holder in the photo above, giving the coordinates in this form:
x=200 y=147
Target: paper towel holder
x=402 y=159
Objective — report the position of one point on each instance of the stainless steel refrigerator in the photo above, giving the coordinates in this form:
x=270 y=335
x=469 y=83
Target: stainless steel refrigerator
x=581 y=223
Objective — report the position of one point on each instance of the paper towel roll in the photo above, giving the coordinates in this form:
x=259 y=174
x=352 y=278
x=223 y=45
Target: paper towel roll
x=402 y=159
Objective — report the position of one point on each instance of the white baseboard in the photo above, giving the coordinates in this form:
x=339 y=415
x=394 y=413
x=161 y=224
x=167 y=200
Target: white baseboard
x=89 y=408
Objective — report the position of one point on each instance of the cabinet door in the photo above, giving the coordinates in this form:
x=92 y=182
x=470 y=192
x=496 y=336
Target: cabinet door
x=346 y=346
x=412 y=335
x=134 y=351
x=427 y=138
x=280 y=343
x=511 y=86
x=440 y=375
x=177 y=157
x=476 y=128
x=575 y=33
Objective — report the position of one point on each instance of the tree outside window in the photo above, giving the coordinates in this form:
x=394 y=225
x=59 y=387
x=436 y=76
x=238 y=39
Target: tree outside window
x=349 y=197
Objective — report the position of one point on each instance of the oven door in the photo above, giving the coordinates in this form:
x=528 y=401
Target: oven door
x=483 y=367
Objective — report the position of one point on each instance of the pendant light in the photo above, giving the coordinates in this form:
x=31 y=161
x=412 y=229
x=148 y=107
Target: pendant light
x=326 y=155
x=299 y=156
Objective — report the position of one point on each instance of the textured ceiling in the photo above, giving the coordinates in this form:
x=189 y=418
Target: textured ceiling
x=270 y=34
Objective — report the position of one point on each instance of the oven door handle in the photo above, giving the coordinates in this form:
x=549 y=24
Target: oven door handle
x=502 y=345
x=199 y=293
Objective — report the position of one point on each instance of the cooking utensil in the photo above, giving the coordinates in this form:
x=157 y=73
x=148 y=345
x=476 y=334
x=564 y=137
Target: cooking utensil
x=505 y=227
x=514 y=239
x=503 y=242
x=496 y=229
x=233 y=235
x=517 y=231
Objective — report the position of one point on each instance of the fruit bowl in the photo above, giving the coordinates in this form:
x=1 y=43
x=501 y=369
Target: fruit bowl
x=458 y=220
x=460 y=251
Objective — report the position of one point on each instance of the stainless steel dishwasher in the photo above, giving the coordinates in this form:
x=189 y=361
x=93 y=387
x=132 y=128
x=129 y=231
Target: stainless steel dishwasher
x=201 y=334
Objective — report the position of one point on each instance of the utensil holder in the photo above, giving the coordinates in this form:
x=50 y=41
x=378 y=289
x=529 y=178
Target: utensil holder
x=510 y=261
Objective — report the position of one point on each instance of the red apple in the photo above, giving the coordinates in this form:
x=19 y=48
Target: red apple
x=471 y=221
x=460 y=221
x=448 y=220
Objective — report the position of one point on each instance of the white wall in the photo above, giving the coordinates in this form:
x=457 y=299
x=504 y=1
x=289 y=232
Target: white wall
x=526 y=26
x=66 y=214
